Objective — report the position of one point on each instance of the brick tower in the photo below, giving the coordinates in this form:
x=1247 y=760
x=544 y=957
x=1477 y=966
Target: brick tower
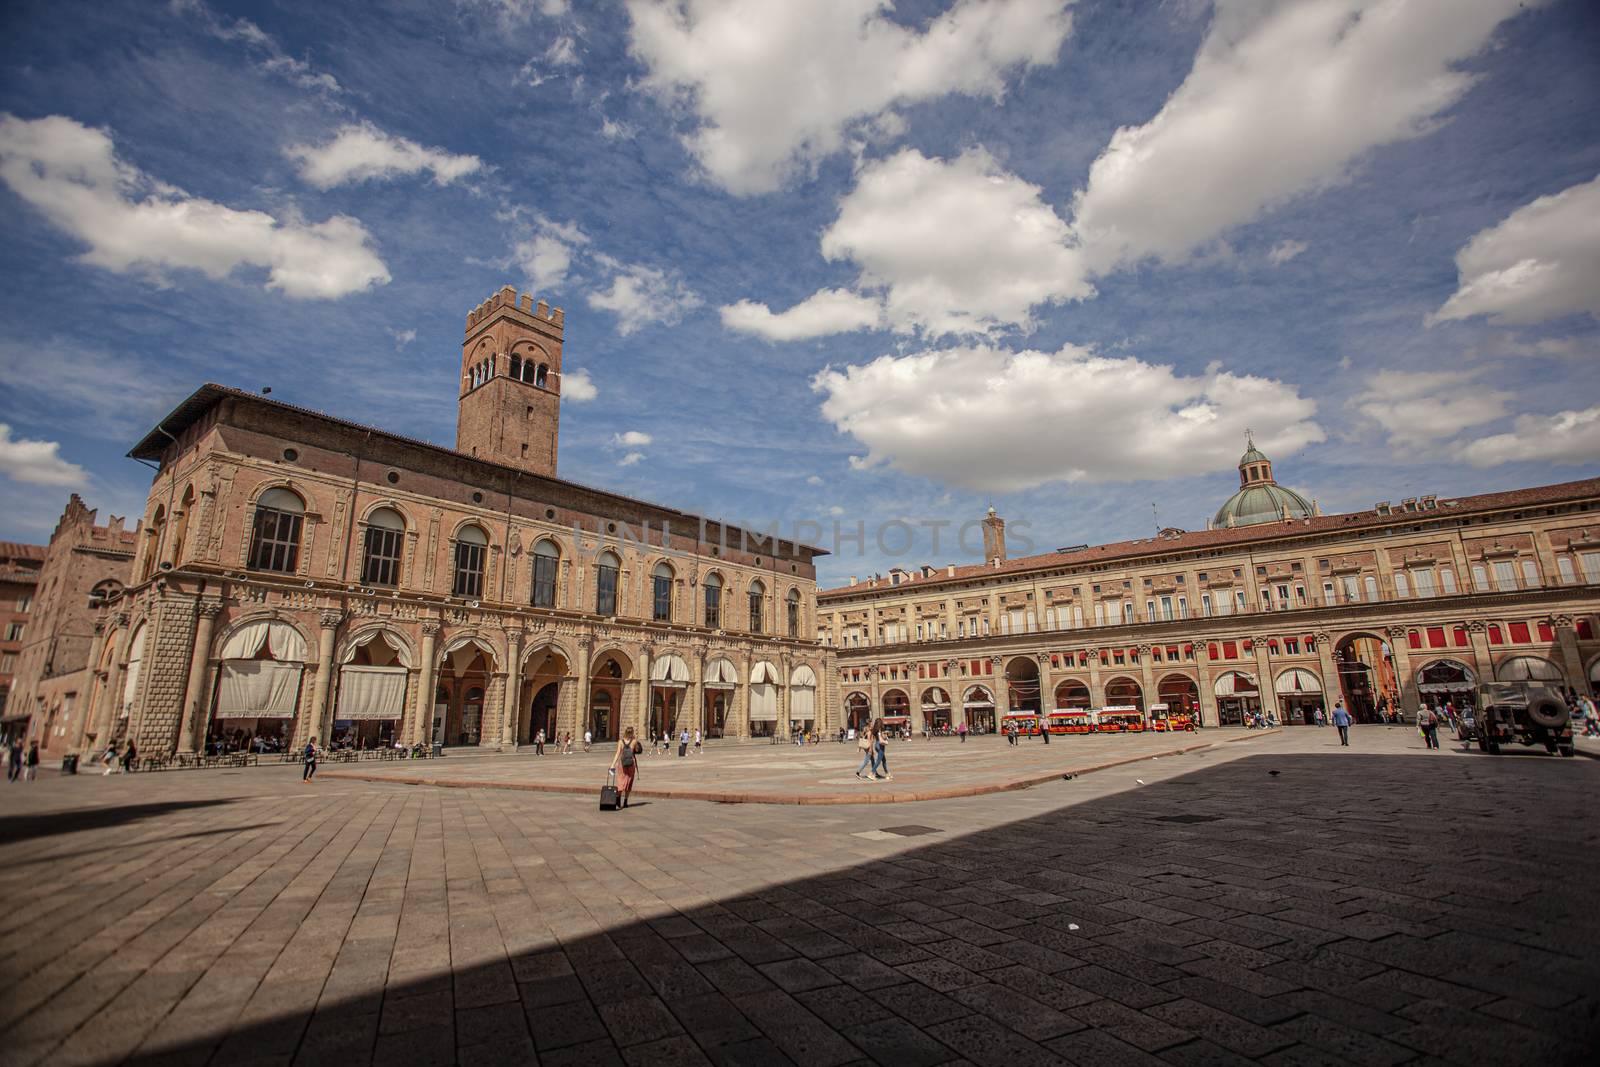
x=510 y=406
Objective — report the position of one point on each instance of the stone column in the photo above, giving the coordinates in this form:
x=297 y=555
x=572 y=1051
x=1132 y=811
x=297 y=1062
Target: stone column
x=1478 y=634
x=1264 y=684
x=1047 y=684
x=642 y=716
x=1332 y=690
x=1567 y=641
x=317 y=718
x=742 y=727
x=1147 y=675
x=105 y=718
x=197 y=695
x=696 y=696
x=512 y=712
x=1208 y=693
x=1097 y=693
x=1402 y=669
x=581 y=708
x=422 y=718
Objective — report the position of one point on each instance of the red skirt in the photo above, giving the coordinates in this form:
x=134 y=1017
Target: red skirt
x=625 y=777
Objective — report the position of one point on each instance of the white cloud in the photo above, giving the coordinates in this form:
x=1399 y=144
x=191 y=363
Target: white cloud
x=1284 y=98
x=273 y=58
x=1027 y=418
x=631 y=439
x=836 y=511
x=563 y=52
x=775 y=85
x=814 y=479
x=959 y=246
x=641 y=295
x=824 y=312
x=630 y=459
x=1567 y=437
x=577 y=387
x=544 y=258
x=1417 y=409
x=1541 y=262
x=512 y=14
x=36 y=462
x=361 y=152
x=70 y=173
x=402 y=338
x=1285 y=250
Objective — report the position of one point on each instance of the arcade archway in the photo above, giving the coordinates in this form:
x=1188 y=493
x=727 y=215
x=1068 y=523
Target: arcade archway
x=1073 y=695
x=1022 y=685
x=1367 y=682
x=1124 y=693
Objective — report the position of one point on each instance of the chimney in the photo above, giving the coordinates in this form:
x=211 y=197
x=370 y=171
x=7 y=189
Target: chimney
x=994 y=538
x=852 y=579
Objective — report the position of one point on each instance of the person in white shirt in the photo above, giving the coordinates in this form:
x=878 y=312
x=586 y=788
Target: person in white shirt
x=588 y=739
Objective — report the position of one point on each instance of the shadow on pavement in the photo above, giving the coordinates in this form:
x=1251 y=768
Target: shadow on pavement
x=1353 y=909
x=15 y=828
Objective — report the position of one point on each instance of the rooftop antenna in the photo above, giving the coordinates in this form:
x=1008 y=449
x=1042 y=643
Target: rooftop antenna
x=1157 y=513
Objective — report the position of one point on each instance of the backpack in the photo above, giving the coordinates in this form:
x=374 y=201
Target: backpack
x=1429 y=718
x=627 y=755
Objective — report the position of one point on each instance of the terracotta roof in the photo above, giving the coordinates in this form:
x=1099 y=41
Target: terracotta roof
x=18 y=550
x=154 y=444
x=1241 y=536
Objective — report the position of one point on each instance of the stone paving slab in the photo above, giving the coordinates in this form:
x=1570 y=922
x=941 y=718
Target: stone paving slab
x=1380 y=904
x=939 y=769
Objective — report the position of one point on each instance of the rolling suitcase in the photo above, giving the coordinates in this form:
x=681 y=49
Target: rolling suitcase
x=609 y=800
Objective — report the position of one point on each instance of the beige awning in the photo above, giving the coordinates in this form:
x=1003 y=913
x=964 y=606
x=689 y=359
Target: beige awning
x=1295 y=680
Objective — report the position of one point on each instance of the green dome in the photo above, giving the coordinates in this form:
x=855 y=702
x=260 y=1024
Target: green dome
x=1252 y=455
x=1259 y=503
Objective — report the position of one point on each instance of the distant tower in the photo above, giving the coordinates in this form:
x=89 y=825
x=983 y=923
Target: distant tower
x=994 y=537
x=1260 y=498
x=510 y=406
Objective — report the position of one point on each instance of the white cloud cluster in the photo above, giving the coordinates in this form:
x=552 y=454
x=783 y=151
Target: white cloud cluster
x=36 y=462
x=273 y=58
x=361 y=152
x=1285 y=250
x=984 y=418
x=1284 y=98
x=641 y=296
x=958 y=246
x=824 y=312
x=577 y=386
x=631 y=439
x=1540 y=263
x=546 y=255
x=777 y=85
x=70 y=173
x=1419 y=409
x=1566 y=437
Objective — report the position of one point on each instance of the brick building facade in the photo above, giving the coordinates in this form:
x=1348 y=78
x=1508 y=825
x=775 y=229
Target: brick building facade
x=20 y=565
x=302 y=576
x=1275 y=608
x=58 y=678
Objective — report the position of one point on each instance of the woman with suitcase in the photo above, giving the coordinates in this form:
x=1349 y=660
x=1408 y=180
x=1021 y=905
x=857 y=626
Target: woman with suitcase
x=625 y=764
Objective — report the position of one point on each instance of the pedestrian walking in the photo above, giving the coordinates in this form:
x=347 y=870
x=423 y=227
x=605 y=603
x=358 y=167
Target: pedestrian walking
x=13 y=759
x=881 y=743
x=1428 y=726
x=130 y=757
x=625 y=764
x=1044 y=730
x=961 y=732
x=697 y=742
x=311 y=754
x=869 y=753
x=683 y=743
x=588 y=739
x=566 y=744
x=538 y=743
x=32 y=758
x=1341 y=719
x=109 y=759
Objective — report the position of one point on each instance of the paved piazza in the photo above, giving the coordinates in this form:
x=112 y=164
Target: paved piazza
x=1381 y=904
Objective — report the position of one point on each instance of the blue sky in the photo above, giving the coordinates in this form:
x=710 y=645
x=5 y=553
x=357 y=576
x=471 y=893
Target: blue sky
x=839 y=262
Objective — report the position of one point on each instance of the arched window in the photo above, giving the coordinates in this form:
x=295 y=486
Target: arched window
x=662 y=581
x=540 y=375
x=794 y=612
x=758 y=598
x=472 y=545
x=516 y=368
x=158 y=527
x=275 y=532
x=180 y=532
x=605 y=584
x=380 y=561
x=546 y=564
x=713 y=587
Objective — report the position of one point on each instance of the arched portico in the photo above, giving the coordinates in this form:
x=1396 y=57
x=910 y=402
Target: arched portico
x=545 y=674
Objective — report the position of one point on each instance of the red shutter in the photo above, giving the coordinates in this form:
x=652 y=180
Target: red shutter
x=1520 y=634
x=1546 y=633
x=1436 y=637
x=1414 y=639
x=1460 y=636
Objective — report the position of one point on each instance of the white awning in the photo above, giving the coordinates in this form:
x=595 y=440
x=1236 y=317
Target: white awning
x=669 y=670
x=720 y=674
x=258 y=689
x=1528 y=669
x=978 y=698
x=284 y=641
x=1235 y=683
x=371 y=693
x=764 y=673
x=763 y=702
x=381 y=637
x=1296 y=680
x=936 y=698
x=803 y=676
x=1449 y=676
x=803 y=703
